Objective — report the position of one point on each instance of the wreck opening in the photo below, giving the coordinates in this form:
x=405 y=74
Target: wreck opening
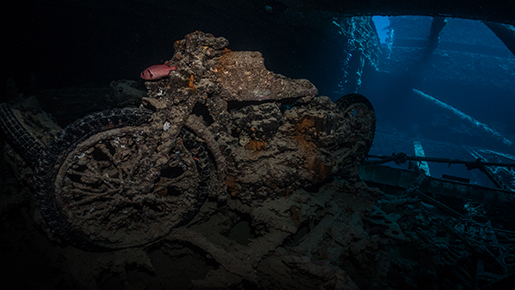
x=437 y=82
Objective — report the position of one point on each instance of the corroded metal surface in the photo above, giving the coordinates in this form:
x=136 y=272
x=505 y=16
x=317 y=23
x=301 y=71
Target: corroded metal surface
x=222 y=125
x=243 y=77
x=225 y=139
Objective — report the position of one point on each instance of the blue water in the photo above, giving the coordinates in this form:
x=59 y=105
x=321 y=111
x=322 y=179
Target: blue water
x=381 y=23
x=465 y=72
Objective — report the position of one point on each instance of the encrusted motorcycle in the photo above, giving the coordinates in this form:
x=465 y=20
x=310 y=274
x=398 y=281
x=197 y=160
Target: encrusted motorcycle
x=216 y=125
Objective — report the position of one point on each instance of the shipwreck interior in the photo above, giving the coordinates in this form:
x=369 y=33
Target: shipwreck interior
x=267 y=145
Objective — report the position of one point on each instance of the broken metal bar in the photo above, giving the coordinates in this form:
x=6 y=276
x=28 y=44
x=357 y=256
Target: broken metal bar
x=401 y=178
x=464 y=116
x=400 y=158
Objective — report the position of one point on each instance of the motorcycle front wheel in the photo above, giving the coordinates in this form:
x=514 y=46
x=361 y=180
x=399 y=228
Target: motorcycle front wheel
x=107 y=182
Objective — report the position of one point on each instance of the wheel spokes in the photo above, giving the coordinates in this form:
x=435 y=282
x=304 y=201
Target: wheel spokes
x=112 y=184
